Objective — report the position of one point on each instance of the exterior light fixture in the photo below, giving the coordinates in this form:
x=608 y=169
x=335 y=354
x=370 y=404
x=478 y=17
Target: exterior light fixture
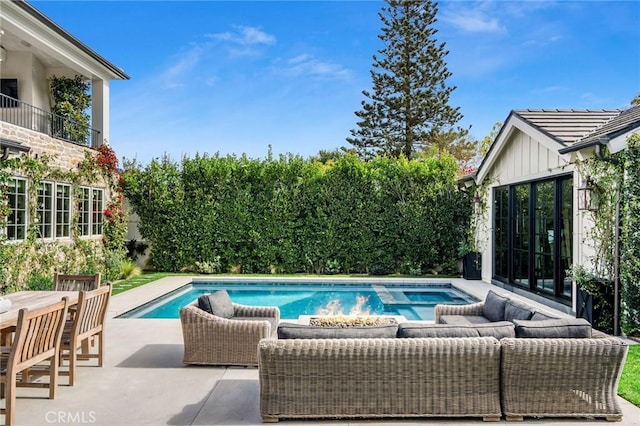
x=10 y=147
x=3 y=55
x=587 y=197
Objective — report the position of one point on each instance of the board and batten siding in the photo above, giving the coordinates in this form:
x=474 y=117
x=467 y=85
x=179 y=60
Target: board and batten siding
x=521 y=158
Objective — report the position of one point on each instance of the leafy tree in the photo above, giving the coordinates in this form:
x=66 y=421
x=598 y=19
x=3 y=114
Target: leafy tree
x=70 y=99
x=462 y=146
x=408 y=107
x=636 y=100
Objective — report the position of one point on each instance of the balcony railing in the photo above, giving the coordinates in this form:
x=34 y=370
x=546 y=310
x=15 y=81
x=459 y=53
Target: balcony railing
x=29 y=117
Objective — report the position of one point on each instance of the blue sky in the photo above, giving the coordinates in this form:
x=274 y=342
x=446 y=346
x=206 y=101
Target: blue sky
x=236 y=77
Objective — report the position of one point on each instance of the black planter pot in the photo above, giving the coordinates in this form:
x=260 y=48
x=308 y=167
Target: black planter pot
x=472 y=266
x=597 y=310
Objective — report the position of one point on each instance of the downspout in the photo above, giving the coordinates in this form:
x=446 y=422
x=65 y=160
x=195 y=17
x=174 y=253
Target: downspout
x=616 y=264
x=5 y=153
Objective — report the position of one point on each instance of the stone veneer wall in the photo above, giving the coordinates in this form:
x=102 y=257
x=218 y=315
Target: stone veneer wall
x=65 y=155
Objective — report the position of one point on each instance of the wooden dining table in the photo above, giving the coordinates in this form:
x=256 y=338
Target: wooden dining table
x=33 y=300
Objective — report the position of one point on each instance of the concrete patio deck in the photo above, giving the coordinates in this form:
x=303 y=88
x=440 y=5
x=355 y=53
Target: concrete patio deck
x=145 y=383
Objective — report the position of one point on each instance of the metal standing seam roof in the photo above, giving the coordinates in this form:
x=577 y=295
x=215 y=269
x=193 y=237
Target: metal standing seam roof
x=568 y=126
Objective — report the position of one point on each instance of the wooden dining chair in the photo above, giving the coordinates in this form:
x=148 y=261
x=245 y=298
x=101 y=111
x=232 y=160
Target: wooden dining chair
x=68 y=282
x=88 y=323
x=37 y=340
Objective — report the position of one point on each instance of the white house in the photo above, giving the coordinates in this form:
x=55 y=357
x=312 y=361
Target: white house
x=33 y=48
x=531 y=229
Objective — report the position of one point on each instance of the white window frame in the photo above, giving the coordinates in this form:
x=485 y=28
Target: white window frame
x=11 y=230
x=43 y=211
x=84 y=211
x=63 y=211
x=97 y=211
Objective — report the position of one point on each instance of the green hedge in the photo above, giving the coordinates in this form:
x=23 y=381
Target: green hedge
x=630 y=262
x=290 y=215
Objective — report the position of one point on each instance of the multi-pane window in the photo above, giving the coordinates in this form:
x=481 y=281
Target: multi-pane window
x=63 y=210
x=55 y=210
x=17 y=220
x=84 y=211
x=45 y=209
x=97 y=212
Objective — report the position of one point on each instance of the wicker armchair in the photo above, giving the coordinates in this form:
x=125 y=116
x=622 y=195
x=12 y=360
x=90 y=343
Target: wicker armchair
x=213 y=340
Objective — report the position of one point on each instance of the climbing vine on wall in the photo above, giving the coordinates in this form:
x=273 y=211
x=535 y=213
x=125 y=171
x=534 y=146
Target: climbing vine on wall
x=35 y=259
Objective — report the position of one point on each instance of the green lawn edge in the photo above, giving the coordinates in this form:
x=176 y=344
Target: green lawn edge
x=629 y=387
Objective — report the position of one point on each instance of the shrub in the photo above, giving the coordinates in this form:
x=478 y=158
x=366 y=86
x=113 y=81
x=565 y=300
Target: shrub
x=129 y=268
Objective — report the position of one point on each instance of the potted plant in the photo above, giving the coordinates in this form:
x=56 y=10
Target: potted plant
x=594 y=298
x=471 y=261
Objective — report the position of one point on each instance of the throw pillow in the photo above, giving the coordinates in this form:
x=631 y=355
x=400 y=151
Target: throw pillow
x=554 y=328
x=515 y=309
x=218 y=304
x=494 y=305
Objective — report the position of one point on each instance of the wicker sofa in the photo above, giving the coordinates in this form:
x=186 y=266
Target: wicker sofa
x=228 y=336
x=551 y=367
x=379 y=378
x=545 y=367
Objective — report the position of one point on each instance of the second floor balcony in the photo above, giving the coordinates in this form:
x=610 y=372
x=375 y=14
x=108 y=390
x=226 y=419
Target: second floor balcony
x=29 y=117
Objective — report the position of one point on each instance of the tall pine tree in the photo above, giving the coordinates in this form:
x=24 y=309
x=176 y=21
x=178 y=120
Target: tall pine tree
x=408 y=109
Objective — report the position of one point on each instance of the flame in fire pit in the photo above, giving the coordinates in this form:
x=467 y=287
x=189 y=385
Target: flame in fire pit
x=333 y=307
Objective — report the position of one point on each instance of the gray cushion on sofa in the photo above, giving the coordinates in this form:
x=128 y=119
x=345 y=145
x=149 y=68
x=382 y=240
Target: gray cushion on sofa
x=515 y=309
x=408 y=329
x=499 y=330
x=302 y=331
x=539 y=316
x=494 y=305
x=553 y=328
x=218 y=304
x=463 y=319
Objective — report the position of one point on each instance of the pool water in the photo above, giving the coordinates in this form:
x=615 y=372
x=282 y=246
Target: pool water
x=295 y=299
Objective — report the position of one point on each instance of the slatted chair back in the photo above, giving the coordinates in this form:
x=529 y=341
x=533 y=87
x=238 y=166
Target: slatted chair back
x=37 y=339
x=38 y=334
x=88 y=324
x=91 y=313
x=67 y=282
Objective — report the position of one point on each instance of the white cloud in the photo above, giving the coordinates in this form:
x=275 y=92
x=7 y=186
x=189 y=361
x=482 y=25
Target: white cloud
x=184 y=63
x=307 y=65
x=473 y=21
x=245 y=36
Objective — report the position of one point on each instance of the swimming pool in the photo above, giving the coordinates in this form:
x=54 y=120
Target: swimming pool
x=414 y=302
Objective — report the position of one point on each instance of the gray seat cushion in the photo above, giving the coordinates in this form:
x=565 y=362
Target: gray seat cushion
x=218 y=304
x=463 y=319
x=515 y=309
x=499 y=330
x=303 y=331
x=554 y=328
x=409 y=329
x=494 y=305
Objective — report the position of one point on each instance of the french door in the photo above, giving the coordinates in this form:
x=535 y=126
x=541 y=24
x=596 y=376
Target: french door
x=533 y=236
